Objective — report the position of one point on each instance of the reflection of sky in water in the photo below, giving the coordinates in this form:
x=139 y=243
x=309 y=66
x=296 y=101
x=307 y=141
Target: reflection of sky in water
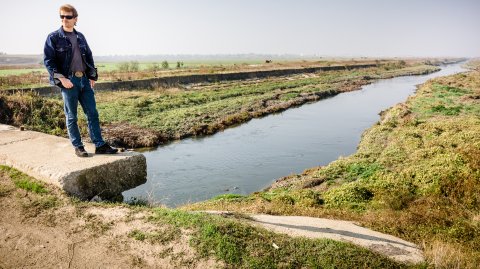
x=250 y=157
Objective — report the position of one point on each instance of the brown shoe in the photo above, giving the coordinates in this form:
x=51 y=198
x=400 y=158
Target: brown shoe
x=81 y=152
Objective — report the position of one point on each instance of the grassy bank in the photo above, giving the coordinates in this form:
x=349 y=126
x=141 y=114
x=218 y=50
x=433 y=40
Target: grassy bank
x=151 y=117
x=416 y=175
x=149 y=237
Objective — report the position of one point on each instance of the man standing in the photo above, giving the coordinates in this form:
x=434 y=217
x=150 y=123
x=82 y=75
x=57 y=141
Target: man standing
x=69 y=62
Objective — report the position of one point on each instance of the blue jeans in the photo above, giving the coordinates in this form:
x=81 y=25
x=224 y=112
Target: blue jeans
x=82 y=93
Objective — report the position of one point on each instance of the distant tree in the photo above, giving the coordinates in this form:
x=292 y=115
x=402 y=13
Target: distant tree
x=165 y=65
x=179 y=64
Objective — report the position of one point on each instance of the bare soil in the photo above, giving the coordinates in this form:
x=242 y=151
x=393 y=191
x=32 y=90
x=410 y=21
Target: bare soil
x=74 y=235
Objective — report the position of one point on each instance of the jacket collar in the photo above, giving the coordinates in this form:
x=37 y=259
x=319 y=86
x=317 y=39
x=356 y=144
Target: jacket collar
x=62 y=32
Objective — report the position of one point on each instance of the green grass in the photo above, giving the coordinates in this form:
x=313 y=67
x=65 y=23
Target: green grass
x=24 y=181
x=167 y=234
x=34 y=112
x=40 y=197
x=441 y=100
x=228 y=196
x=176 y=114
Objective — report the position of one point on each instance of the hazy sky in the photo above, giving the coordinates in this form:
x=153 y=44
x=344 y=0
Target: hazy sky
x=325 y=28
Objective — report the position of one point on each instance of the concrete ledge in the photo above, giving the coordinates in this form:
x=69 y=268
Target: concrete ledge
x=52 y=159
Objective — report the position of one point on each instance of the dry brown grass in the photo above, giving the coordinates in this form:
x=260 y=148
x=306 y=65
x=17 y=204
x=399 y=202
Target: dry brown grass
x=33 y=79
x=446 y=255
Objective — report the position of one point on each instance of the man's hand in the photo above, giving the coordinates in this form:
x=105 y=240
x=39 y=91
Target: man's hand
x=66 y=83
x=92 y=83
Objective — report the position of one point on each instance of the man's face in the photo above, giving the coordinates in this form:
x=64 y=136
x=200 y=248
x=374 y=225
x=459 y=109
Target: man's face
x=67 y=23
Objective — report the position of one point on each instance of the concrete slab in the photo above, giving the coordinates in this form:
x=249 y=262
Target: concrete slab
x=52 y=159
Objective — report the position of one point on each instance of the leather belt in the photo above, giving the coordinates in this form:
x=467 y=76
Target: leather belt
x=78 y=74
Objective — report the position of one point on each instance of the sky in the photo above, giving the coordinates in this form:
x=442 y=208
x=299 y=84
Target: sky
x=346 y=28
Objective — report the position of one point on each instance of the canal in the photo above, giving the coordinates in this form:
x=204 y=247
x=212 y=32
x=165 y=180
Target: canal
x=251 y=156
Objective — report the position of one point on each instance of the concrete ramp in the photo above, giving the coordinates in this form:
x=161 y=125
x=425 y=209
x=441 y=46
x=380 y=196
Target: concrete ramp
x=346 y=231
x=52 y=159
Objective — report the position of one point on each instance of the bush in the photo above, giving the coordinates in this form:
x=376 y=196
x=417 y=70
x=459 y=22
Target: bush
x=154 y=67
x=124 y=66
x=350 y=195
x=134 y=66
x=165 y=65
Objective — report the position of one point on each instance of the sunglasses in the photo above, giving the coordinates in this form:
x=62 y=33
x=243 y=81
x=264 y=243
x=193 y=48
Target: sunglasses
x=68 y=17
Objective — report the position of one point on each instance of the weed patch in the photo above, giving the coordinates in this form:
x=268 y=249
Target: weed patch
x=34 y=112
x=138 y=201
x=137 y=235
x=361 y=170
x=39 y=196
x=24 y=181
x=229 y=196
x=163 y=236
x=447 y=111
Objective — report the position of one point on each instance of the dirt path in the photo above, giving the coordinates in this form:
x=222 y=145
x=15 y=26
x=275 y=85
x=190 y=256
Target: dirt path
x=346 y=231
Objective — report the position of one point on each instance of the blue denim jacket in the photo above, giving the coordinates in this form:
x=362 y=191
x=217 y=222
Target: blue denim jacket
x=57 y=56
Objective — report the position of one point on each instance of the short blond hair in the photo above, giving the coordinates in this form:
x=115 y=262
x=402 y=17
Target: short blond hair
x=69 y=8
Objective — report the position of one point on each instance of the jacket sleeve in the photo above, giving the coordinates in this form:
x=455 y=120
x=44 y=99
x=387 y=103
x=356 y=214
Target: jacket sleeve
x=89 y=58
x=49 y=60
